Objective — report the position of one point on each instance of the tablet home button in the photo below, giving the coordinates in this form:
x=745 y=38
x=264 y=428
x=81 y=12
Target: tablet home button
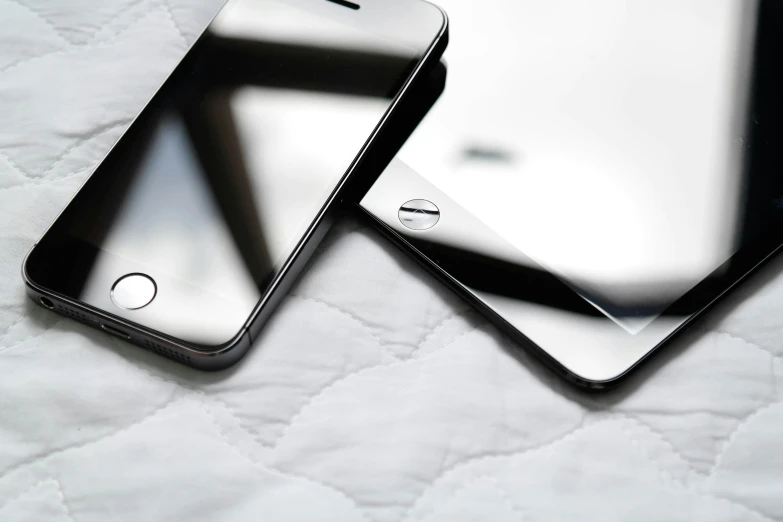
x=133 y=291
x=419 y=214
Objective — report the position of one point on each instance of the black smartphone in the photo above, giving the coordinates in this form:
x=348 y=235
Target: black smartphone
x=598 y=185
x=202 y=215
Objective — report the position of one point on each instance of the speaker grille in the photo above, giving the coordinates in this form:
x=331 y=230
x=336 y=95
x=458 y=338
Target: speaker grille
x=73 y=314
x=149 y=345
x=167 y=352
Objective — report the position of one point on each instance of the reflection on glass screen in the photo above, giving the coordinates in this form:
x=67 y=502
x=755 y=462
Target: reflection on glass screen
x=606 y=141
x=216 y=183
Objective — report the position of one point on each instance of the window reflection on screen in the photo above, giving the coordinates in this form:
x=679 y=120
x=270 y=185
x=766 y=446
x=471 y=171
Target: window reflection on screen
x=216 y=183
x=606 y=141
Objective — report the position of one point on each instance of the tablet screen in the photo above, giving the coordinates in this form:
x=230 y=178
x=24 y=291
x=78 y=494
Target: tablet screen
x=626 y=147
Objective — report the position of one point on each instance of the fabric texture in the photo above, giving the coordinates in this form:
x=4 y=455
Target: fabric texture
x=374 y=394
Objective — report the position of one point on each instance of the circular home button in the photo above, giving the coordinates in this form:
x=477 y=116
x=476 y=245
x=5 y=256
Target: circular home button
x=419 y=214
x=133 y=291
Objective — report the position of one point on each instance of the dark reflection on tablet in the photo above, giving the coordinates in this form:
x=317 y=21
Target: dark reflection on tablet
x=753 y=187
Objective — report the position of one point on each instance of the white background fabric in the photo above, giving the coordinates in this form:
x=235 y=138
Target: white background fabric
x=373 y=395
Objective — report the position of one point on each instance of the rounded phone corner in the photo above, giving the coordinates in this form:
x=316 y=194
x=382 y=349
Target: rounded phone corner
x=441 y=39
x=28 y=281
x=591 y=379
x=222 y=357
x=445 y=20
x=582 y=373
x=443 y=35
x=594 y=385
x=33 y=289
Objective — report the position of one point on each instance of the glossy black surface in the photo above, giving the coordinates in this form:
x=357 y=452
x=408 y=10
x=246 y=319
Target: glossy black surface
x=607 y=178
x=213 y=188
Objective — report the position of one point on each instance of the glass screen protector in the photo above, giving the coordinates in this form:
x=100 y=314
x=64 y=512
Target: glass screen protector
x=622 y=146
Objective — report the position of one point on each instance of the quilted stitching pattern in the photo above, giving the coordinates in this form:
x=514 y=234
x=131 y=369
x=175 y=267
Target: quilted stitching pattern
x=373 y=395
x=45 y=500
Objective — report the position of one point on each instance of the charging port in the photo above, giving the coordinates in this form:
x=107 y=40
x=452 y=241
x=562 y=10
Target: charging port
x=114 y=331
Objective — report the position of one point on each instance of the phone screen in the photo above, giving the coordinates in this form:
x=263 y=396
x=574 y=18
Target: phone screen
x=217 y=181
x=629 y=148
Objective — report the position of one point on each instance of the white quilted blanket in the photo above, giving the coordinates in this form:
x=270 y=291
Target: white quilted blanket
x=374 y=394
